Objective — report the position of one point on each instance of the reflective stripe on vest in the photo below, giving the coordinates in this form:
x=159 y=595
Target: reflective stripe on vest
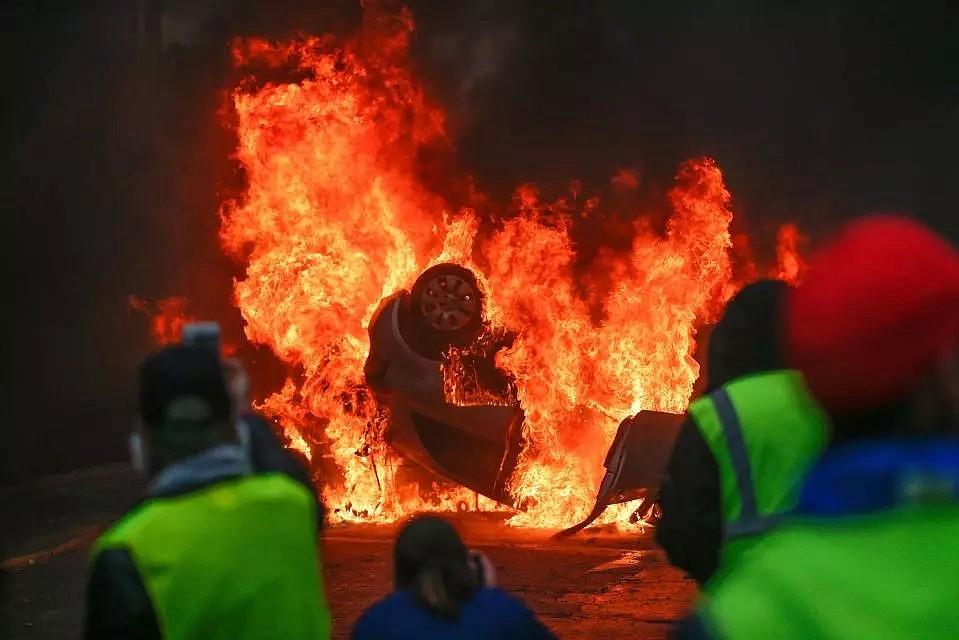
x=764 y=431
x=749 y=522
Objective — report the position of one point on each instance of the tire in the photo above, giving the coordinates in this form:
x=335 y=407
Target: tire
x=445 y=309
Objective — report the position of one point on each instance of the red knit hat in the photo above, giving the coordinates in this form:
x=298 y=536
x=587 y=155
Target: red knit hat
x=877 y=307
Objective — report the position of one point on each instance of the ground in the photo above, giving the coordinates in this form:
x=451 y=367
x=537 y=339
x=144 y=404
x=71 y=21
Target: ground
x=595 y=585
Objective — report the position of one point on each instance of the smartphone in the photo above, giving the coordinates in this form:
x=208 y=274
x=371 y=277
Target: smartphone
x=202 y=334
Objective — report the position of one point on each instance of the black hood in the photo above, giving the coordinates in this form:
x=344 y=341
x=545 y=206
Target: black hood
x=747 y=338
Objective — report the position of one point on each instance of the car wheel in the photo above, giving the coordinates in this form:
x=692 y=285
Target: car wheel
x=445 y=309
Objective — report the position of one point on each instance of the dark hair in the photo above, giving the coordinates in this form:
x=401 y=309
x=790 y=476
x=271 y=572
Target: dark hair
x=431 y=561
x=748 y=337
x=183 y=400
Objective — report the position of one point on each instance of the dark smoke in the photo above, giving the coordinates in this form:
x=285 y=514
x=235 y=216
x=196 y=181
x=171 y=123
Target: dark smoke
x=116 y=161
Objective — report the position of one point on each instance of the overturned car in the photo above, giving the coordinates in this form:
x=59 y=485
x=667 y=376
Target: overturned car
x=477 y=445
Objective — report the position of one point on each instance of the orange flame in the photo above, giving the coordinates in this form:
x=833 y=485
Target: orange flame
x=332 y=221
x=790 y=265
x=577 y=378
x=334 y=218
x=167 y=317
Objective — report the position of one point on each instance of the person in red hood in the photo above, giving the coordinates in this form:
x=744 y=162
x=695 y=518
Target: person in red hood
x=870 y=550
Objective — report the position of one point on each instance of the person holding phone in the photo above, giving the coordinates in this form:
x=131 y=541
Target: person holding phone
x=215 y=549
x=443 y=590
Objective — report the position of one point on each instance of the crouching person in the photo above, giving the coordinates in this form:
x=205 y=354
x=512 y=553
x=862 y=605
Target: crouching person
x=444 y=591
x=214 y=550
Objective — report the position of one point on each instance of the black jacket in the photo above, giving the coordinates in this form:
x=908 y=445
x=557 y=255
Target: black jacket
x=691 y=528
x=118 y=606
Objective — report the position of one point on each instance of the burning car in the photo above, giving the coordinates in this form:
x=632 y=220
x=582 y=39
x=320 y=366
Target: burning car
x=474 y=437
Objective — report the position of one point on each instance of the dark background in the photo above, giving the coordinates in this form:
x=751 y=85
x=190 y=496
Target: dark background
x=114 y=160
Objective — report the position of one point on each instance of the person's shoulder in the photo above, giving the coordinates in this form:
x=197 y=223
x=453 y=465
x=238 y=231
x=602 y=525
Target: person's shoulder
x=278 y=488
x=510 y=616
x=493 y=598
x=494 y=594
x=389 y=605
x=700 y=409
x=381 y=615
x=129 y=525
x=268 y=453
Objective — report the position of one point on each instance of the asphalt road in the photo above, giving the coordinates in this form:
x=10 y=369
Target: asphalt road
x=595 y=585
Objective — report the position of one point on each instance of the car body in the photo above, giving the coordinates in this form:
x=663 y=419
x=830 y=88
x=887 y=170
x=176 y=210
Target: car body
x=476 y=445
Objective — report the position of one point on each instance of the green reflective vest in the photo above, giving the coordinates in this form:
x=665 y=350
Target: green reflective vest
x=234 y=560
x=765 y=431
x=891 y=574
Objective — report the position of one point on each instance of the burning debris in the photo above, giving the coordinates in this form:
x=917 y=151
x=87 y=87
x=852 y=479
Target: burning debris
x=336 y=218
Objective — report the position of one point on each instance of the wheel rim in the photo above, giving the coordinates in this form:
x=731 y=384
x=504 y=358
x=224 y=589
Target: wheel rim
x=449 y=302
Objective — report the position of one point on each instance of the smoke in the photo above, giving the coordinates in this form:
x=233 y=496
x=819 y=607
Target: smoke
x=183 y=21
x=475 y=54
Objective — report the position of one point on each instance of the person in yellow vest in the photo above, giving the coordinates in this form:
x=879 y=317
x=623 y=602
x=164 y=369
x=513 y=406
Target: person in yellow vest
x=738 y=458
x=214 y=550
x=870 y=550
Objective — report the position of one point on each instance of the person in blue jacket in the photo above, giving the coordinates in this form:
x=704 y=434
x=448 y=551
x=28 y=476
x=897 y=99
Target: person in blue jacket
x=443 y=591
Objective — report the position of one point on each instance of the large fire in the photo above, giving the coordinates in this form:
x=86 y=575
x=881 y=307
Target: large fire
x=335 y=217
